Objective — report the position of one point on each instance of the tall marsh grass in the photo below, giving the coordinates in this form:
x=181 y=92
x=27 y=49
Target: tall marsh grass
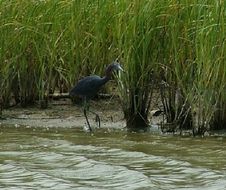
x=177 y=47
x=198 y=61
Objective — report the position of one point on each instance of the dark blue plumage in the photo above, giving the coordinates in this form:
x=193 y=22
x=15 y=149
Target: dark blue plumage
x=90 y=85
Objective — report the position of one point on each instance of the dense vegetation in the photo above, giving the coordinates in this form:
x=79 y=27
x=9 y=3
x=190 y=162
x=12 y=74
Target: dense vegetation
x=177 y=47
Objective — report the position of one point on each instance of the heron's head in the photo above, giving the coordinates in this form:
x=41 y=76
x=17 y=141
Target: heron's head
x=114 y=66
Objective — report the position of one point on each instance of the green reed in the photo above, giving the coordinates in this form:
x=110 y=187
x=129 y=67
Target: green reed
x=180 y=46
x=141 y=48
x=50 y=44
x=173 y=47
x=198 y=61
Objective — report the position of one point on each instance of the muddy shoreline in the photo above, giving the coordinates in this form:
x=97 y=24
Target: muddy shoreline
x=62 y=113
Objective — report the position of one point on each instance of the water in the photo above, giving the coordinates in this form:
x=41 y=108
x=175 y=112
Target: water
x=40 y=158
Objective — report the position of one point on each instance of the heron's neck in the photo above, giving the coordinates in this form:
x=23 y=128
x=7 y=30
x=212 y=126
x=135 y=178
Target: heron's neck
x=108 y=74
x=106 y=78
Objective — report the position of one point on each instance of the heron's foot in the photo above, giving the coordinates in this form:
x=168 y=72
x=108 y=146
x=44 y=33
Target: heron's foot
x=90 y=129
x=98 y=120
x=87 y=129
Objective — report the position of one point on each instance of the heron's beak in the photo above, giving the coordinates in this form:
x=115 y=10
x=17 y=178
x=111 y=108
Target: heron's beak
x=120 y=68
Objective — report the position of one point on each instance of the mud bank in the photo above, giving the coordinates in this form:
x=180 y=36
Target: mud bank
x=62 y=113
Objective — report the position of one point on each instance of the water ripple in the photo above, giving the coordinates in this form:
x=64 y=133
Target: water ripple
x=63 y=161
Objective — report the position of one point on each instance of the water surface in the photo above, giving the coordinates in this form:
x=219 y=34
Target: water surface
x=40 y=158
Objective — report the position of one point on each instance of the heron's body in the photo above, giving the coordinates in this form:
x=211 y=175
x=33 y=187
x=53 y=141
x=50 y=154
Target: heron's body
x=90 y=85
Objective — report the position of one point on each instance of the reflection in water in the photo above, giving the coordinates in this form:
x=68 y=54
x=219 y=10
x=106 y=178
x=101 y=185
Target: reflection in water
x=38 y=158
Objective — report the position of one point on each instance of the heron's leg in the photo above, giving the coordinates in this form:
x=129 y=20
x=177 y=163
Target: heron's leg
x=90 y=129
x=97 y=117
x=86 y=107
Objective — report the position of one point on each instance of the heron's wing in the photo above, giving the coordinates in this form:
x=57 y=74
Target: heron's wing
x=87 y=86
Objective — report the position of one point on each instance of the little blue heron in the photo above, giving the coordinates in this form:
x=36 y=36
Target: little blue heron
x=90 y=85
